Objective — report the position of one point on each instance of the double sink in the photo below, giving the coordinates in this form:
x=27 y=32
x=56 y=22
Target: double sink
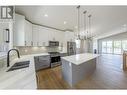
x=19 y=65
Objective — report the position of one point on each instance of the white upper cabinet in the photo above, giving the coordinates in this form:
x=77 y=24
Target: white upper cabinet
x=69 y=36
x=35 y=33
x=19 y=30
x=60 y=37
x=22 y=31
x=28 y=34
x=43 y=36
x=53 y=34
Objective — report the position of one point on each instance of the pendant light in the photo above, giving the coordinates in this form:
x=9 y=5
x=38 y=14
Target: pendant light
x=85 y=27
x=78 y=32
x=78 y=41
x=89 y=29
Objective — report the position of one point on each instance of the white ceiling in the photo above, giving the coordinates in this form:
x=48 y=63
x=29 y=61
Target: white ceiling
x=104 y=18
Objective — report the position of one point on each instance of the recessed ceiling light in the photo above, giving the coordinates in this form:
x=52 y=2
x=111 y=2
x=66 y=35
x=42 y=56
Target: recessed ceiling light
x=65 y=22
x=45 y=15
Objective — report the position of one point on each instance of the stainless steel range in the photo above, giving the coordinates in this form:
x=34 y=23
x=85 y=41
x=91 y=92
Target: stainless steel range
x=55 y=59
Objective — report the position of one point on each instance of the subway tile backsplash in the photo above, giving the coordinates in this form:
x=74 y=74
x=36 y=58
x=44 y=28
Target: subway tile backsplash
x=34 y=50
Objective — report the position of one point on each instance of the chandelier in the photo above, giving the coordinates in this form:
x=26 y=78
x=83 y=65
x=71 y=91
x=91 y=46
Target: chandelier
x=86 y=33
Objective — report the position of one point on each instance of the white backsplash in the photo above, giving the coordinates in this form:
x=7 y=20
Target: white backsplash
x=34 y=50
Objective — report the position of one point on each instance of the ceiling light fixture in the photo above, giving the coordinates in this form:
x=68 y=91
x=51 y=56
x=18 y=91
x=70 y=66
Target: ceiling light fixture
x=85 y=25
x=65 y=22
x=45 y=15
x=78 y=32
x=86 y=33
x=89 y=28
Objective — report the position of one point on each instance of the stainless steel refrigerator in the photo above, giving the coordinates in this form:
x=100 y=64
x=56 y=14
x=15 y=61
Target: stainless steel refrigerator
x=71 y=48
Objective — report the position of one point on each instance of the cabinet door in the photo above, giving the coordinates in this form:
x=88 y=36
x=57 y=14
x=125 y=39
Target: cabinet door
x=43 y=36
x=69 y=36
x=3 y=34
x=42 y=62
x=52 y=35
x=19 y=36
x=72 y=38
x=35 y=36
x=28 y=33
x=60 y=37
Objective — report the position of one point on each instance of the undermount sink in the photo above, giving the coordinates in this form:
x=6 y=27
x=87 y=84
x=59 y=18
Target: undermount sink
x=19 y=65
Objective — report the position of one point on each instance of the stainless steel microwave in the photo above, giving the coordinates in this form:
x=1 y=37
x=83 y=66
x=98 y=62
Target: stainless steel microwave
x=53 y=43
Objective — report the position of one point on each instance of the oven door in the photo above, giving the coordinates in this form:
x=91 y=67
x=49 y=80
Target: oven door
x=55 y=59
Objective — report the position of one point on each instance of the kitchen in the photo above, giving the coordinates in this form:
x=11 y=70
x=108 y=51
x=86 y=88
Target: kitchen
x=40 y=52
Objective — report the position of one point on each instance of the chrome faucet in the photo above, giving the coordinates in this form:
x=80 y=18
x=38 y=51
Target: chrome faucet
x=8 y=57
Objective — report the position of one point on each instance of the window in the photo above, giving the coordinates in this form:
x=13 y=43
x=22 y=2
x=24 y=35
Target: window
x=124 y=44
x=104 y=47
x=117 y=47
x=109 y=47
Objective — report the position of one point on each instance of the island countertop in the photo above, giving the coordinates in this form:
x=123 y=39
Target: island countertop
x=80 y=58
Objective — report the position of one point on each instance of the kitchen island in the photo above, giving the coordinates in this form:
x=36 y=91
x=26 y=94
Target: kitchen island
x=76 y=67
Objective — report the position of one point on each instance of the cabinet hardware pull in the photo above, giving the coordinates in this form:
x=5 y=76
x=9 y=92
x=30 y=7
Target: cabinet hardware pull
x=6 y=35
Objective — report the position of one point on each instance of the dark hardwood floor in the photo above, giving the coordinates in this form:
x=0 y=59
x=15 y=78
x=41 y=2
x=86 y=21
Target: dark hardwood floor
x=108 y=75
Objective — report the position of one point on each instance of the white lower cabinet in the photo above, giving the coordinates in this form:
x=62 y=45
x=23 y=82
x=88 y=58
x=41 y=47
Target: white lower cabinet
x=42 y=62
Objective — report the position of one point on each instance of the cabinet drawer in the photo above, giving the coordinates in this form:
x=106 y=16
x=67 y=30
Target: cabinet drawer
x=41 y=58
x=43 y=62
x=39 y=66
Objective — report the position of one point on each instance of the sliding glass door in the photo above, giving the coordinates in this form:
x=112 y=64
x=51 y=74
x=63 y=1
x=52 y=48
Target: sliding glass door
x=114 y=47
x=124 y=45
x=104 y=47
x=109 y=47
x=117 y=47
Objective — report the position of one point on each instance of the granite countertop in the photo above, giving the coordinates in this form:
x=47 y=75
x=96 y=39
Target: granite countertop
x=80 y=58
x=20 y=79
